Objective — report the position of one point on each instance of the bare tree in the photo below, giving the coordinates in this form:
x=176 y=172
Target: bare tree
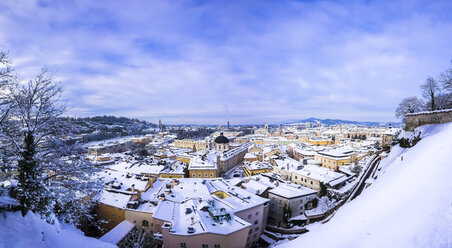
x=138 y=238
x=445 y=78
x=54 y=176
x=430 y=90
x=35 y=111
x=6 y=78
x=444 y=101
x=409 y=105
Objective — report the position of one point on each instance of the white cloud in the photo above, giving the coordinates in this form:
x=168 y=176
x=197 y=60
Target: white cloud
x=248 y=62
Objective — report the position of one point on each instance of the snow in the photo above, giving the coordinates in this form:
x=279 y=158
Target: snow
x=118 y=233
x=299 y=217
x=430 y=112
x=409 y=205
x=31 y=231
x=267 y=239
x=315 y=172
x=114 y=199
x=255 y=187
x=290 y=192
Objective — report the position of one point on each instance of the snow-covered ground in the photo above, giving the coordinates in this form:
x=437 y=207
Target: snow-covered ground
x=409 y=205
x=31 y=231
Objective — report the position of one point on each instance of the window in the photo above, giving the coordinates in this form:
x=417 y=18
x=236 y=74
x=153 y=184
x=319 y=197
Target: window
x=184 y=245
x=211 y=174
x=311 y=182
x=217 y=246
x=256 y=229
x=205 y=246
x=145 y=223
x=257 y=213
x=194 y=175
x=199 y=175
x=206 y=175
x=135 y=221
x=249 y=216
x=255 y=222
x=251 y=230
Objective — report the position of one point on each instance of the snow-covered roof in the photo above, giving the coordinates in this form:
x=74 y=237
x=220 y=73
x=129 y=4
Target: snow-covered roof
x=118 y=233
x=338 y=153
x=137 y=168
x=114 y=199
x=189 y=194
x=315 y=172
x=255 y=187
x=290 y=192
x=198 y=163
x=257 y=165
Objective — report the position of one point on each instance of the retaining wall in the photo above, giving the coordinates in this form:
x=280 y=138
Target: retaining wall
x=431 y=117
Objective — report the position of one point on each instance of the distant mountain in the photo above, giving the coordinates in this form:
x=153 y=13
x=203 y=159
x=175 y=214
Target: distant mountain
x=338 y=121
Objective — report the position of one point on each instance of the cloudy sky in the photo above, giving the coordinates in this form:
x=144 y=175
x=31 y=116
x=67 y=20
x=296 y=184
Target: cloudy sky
x=242 y=61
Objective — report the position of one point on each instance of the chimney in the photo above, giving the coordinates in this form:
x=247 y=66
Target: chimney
x=277 y=183
x=192 y=220
x=133 y=188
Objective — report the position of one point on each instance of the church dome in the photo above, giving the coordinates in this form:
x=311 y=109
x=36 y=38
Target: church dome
x=221 y=139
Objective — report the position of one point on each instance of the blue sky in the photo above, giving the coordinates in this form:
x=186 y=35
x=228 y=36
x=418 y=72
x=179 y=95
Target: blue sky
x=243 y=61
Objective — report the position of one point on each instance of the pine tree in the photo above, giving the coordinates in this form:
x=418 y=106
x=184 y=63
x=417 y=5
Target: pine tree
x=29 y=187
x=323 y=191
x=287 y=212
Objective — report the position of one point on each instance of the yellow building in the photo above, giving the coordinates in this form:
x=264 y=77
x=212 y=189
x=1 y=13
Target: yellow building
x=200 y=168
x=334 y=158
x=256 y=168
x=111 y=209
x=184 y=158
x=196 y=145
x=320 y=142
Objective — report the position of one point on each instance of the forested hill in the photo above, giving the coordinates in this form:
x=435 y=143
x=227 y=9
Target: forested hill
x=107 y=127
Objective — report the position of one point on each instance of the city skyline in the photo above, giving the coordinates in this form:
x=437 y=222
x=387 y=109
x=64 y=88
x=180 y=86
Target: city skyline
x=249 y=63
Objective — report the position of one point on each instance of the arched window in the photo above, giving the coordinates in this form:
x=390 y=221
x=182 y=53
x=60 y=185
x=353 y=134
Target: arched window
x=145 y=223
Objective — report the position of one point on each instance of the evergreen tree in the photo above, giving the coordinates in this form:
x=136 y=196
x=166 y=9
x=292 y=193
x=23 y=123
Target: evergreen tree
x=28 y=187
x=287 y=213
x=323 y=190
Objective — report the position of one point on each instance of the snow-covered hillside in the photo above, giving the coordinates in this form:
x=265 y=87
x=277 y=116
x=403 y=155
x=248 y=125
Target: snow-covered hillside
x=31 y=231
x=409 y=205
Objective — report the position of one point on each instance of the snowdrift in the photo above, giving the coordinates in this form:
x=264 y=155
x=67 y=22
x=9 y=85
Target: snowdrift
x=31 y=231
x=409 y=205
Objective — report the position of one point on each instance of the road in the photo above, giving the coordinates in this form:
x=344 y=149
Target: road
x=362 y=182
x=359 y=187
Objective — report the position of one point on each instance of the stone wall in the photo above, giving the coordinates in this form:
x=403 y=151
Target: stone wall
x=431 y=117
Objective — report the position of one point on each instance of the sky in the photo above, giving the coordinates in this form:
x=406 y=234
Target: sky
x=247 y=62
